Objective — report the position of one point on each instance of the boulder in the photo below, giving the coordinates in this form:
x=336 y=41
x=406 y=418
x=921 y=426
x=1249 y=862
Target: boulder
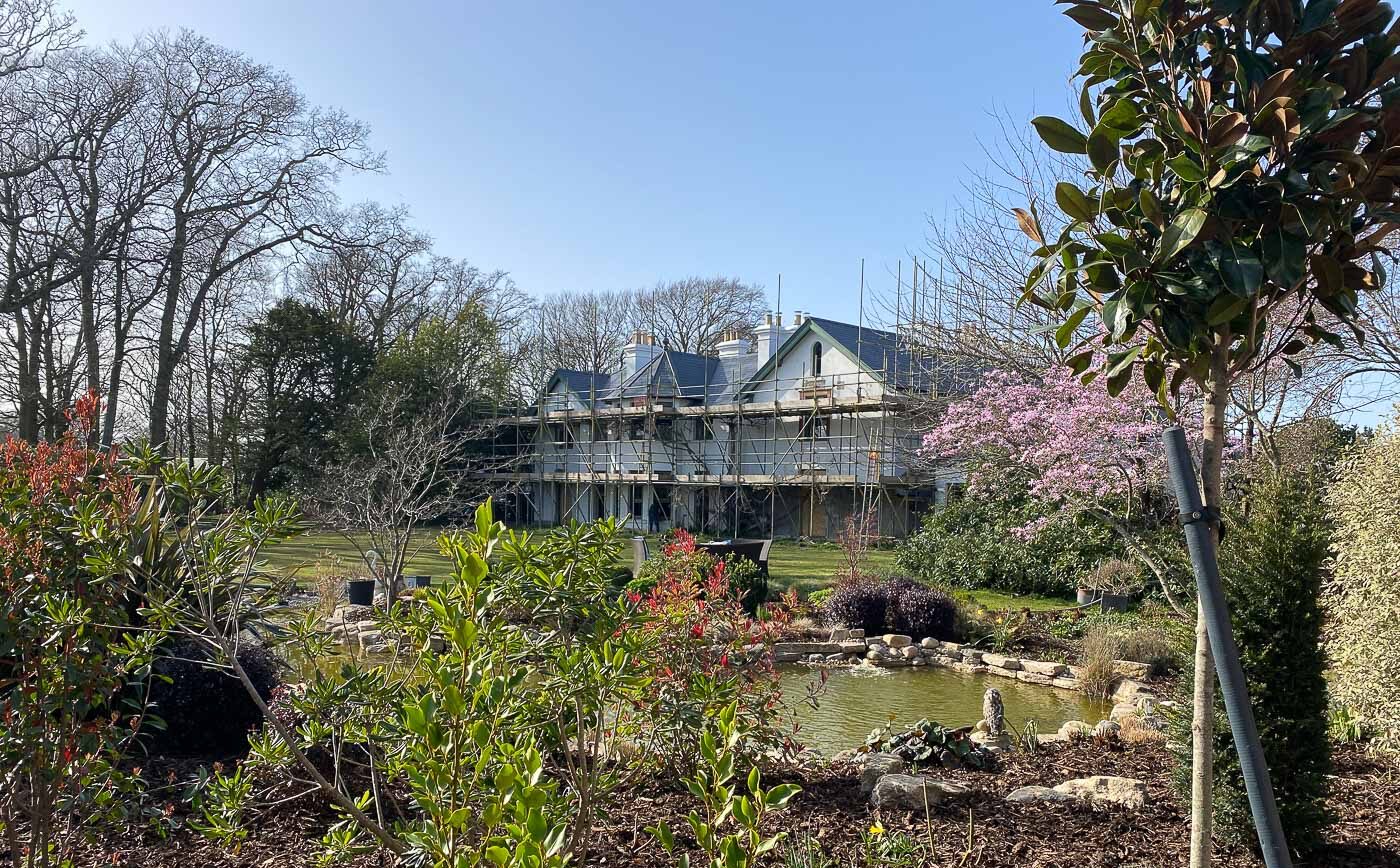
x=835 y=658
x=971 y=655
x=1045 y=667
x=1122 y=710
x=853 y=646
x=1072 y=729
x=1001 y=661
x=1129 y=689
x=1033 y=678
x=898 y=640
x=839 y=634
x=930 y=644
x=1106 y=729
x=787 y=656
x=1053 y=739
x=369 y=638
x=1132 y=669
x=876 y=766
x=910 y=652
x=857 y=633
x=1024 y=795
x=1065 y=683
x=1129 y=793
x=903 y=792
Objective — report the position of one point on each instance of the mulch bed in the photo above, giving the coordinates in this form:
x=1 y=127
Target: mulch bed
x=830 y=813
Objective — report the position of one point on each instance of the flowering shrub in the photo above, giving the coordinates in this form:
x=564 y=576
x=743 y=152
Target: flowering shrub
x=66 y=659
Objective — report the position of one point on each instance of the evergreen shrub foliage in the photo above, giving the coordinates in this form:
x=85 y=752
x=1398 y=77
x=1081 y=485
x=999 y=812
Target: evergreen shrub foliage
x=973 y=544
x=1272 y=564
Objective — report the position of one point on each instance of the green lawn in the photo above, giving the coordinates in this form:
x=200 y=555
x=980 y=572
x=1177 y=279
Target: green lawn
x=807 y=567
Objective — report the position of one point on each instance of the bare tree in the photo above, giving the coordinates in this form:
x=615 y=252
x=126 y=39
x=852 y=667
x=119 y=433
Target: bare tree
x=408 y=474
x=253 y=168
x=692 y=314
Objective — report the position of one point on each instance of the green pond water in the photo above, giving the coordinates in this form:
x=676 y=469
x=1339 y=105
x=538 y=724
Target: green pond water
x=858 y=699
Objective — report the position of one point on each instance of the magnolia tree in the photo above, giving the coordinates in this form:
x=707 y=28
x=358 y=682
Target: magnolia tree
x=1241 y=164
x=1062 y=441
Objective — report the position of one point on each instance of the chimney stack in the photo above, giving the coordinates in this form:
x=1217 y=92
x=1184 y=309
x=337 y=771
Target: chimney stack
x=768 y=336
x=640 y=350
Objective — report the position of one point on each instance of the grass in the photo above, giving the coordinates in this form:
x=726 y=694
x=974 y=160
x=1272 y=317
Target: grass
x=807 y=567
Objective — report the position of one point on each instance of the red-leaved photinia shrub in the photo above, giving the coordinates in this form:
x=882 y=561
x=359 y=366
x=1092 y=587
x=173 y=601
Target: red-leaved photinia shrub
x=65 y=655
x=704 y=652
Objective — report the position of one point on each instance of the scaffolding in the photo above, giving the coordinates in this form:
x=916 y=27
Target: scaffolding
x=782 y=456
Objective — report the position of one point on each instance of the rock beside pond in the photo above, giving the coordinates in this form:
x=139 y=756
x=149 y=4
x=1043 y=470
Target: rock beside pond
x=839 y=634
x=1106 y=729
x=853 y=646
x=1132 y=669
x=898 y=640
x=909 y=652
x=877 y=765
x=916 y=792
x=1000 y=661
x=1044 y=667
x=1106 y=790
x=1128 y=689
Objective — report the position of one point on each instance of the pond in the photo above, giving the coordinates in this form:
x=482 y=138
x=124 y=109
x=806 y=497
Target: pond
x=858 y=699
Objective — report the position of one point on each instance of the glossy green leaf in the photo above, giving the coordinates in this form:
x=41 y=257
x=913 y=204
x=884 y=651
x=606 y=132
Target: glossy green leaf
x=1180 y=233
x=1186 y=168
x=1073 y=202
x=1103 y=150
x=1059 y=135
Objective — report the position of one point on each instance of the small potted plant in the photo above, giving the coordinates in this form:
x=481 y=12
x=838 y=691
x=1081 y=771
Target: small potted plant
x=1117 y=582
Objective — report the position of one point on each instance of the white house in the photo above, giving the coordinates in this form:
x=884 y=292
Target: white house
x=784 y=435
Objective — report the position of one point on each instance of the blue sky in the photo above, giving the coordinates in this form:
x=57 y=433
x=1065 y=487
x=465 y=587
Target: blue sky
x=610 y=145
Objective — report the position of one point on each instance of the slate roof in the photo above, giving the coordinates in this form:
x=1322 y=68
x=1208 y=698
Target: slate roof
x=716 y=380
x=881 y=350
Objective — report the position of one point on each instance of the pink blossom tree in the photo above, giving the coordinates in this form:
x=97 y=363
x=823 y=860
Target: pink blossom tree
x=1063 y=442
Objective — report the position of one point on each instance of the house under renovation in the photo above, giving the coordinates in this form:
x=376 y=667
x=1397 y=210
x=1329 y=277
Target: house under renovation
x=786 y=435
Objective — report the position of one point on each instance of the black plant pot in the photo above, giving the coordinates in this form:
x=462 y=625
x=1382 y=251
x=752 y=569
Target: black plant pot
x=1116 y=602
x=1085 y=596
x=420 y=581
x=360 y=592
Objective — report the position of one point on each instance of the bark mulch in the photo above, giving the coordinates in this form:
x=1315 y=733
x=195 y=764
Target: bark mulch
x=831 y=815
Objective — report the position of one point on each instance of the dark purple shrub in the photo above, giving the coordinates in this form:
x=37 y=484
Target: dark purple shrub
x=205 y=711
x=897 y=604
x=861 y=603
x=920 y=611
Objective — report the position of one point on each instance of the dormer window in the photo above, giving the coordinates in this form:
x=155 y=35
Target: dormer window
x=817 y=359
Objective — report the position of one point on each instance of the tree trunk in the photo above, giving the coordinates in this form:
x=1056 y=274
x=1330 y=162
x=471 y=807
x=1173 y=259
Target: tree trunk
x=1217 y=395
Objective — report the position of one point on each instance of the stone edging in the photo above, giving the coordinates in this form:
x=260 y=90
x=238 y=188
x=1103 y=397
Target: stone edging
x=851 y=647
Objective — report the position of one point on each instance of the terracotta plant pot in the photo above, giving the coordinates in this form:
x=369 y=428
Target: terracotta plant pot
x=1085 y=596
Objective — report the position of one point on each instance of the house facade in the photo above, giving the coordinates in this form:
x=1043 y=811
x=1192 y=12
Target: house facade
x=785 y=435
